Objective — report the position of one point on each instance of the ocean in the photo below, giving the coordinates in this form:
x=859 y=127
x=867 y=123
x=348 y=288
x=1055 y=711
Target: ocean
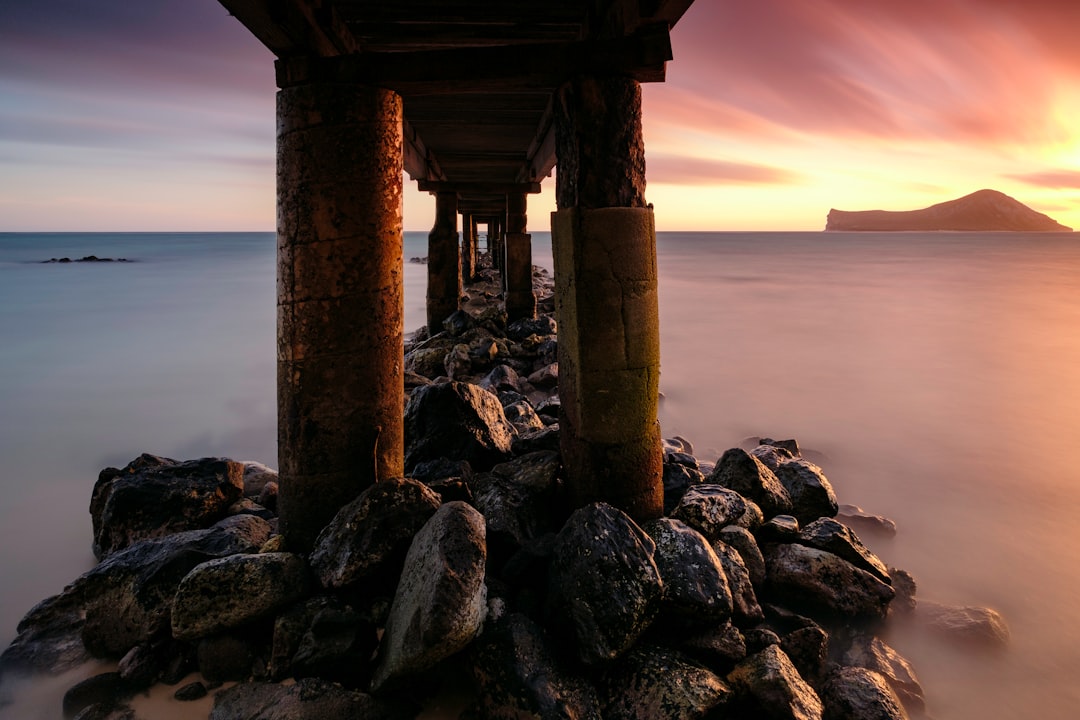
x=938 y=375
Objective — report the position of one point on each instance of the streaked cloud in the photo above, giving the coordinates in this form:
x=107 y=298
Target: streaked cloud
x=684 y=170
x=1056 y=179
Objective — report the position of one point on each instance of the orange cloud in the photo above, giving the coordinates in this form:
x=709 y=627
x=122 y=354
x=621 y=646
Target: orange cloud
x=1056 y=179
x=684 y=170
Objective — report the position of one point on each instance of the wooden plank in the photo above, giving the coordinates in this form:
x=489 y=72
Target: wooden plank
x=478 y=188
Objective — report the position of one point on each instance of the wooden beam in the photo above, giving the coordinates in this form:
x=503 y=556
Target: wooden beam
x=293 y=27
x=478 y=188
x=419 y=162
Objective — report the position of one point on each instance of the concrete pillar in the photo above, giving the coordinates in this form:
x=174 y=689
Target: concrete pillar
x=520 y=301
x=444 y=263
x=340 y=312
x=468 y=247
x=604 y=245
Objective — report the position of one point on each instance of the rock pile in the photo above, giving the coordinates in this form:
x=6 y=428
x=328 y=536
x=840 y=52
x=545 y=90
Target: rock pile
x=748 y=599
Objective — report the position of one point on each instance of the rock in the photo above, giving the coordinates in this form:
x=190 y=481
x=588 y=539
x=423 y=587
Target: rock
x=759 y=638
x=770 y=455
x=522 y=416
x=792 y=446
x=247 y=506
x=458 y=421
x=141 y=666
x=546 y=439
x=224 y=657
x=872 y=653
x=268 y=496
x=308 y=699
x=502 y=378
x=781 y=528
x=125 y=600
x=603 y=587
x=752 y=518
x=744 y=543
x=441 y=598
x=719 y=647
x=652 y=682
x=745 y=608
x=106 y=689
x=546 y=376
x=104 y=711
x=810 y=491
x=856 y=518
x=541 y=325
x=696 y=588
x=335 y=644
x=191 y=691
x=835 y=537
x=229 y=592
x=708 y=508
x=678 y=478
x=904 y=585
x=853 y=693
x=256 y=476
x=824 y=583
x=773 y=682
x=428 y=362
x=518 y=676
x=808 y=649
x=458 y=322
x=745 y=474
x=979 y=625
x=368 y=538
x=457 y=363
x=154 y=496
x=516 y=501
x=441 y=469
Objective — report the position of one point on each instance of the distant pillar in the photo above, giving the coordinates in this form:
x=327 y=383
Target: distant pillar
x=444 y=263
x=340 y=386
x=498 y=244
x=604 y=244
x=520 y=301
x=468 y=247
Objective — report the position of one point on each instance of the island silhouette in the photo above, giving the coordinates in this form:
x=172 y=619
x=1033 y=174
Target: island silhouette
x=984 y=210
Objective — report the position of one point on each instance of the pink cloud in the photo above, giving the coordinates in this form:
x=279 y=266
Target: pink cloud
x=1056 y=179
x=684 y=170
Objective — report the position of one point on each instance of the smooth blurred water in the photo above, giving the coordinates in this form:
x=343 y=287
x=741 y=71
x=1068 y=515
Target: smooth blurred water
x=939 y=374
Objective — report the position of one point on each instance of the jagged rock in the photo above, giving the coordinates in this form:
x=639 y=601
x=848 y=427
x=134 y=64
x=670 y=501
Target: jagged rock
x=192 y=691
x=979 y=625
x=441 y=469
x=603 y=587
x=141 y=667
x=810 y=491
x=652 y=682
x=770 y=455
x=872 y=653
x=792 y=446
x=247 y=506
x=522 y=416
x=745 y=608
x=518 y=676
x=541 y=325
x=368 y=538
x=835 y=537
x=335 y=644
x=105 y=689
x=256 y=476
x=428 y=362
x=773 y=682
x=516 y=501
x=546 y=376
x=808 y=649
x=745 y=474
x=125 y=600
x=458 y=323
x=224 y=657
x=904 y=585
x=708 y=508
x=229 y=592
x=678 y=478
x=853 y=693
x=546 y=439
x=824 y=583
x=781 y=528
x=458 y=421
x=458 y=363
x=441 y=599
x=308 y=699
x=155 y=496
x=858 y=519
x=502 y=378
x=720 y=647
x=744 y=543
x=759 y=638
x=696 y=588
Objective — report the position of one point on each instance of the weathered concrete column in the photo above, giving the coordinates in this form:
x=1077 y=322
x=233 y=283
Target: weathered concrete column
x=468 y=247
x=520 y=301
x=444 y=263
x=340 y=312
x=604 y=244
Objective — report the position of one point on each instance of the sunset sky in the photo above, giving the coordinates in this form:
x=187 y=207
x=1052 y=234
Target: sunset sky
x=117 y=115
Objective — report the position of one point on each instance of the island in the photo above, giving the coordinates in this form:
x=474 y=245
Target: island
x=981 y=211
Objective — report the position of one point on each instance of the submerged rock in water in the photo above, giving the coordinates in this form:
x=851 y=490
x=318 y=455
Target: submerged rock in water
x=970 y=624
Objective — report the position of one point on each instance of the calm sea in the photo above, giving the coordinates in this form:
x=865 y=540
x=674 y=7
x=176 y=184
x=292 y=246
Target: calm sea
x=938 y=373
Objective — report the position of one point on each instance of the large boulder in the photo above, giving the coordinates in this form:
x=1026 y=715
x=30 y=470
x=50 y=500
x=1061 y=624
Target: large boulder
x=441 y=599
x=125 y=600
x=835 y=537
x=516 y=499
x=458 y=421
x=696 y=588
x=229 y=592
x=368 y=538
x=872 y=653
x=324 y=637
x=308 y=699
x=154 y=496
x=811 y=493
x=824 y=584
x=652 y=682
x=773 y=683
x=708 y=508
x=854 y=693
x=745 y=474
x=603 y=584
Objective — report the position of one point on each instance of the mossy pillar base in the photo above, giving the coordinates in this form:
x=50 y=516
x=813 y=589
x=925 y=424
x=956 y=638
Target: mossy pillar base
x=444 y=263
x=340 y=311
x=609 y=356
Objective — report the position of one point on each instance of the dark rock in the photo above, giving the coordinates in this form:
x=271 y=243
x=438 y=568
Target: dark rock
x=771 y=456
x=708 y=508
x=106 y=711
x=678 y=478
x=744 y=543
x=522 y=416
x=978 y=625
x=191 y=691
x=824 y=583
x=652 y=682
x=224 y=657
x=441 y=599
x=781 y=528
x=810 y=491
x=681 y=458
x=719 y=647
x=268 y=496
x=835 y=537
x=229 y=592
x=106 y=689
x=872 y=653
x=751 y=519
x=177 y=662
x=154 y=496
x=336 y=644
x=516 y=500
x=451 y=489
x=904 y=585
x=256 y=476
x=856 y=518
x=457 y=364
x=502 y=378
x=745 y=474
x=141 y=667
x=549 y=408
x=774 y=683
x=792 y=446
x=458 y=322
x=456 y=420
x=546 y=439
x=759 y=638
x=441 y=469
x=428 y=362
x=604 y=587
x=125 y=600
x=247 y=506
x=546 y=376
x=368 y=538
x=308 y=699
x=509 y=397
x=808 y=649
x=696 y=588
x=517 y=676
x=745 y=608
x=541 y=325
x=853 y=693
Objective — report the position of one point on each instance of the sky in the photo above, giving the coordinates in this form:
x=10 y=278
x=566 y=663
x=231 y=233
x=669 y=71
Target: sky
x=119 y=115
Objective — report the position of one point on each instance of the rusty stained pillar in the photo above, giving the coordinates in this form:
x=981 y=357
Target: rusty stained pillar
x=604 y=246
x=444 y=263
x=498 y=247
x=520 y=301
x=340 y=312
x=468 y=247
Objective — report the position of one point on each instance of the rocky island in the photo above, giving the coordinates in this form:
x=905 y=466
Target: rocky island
x=981 y=211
